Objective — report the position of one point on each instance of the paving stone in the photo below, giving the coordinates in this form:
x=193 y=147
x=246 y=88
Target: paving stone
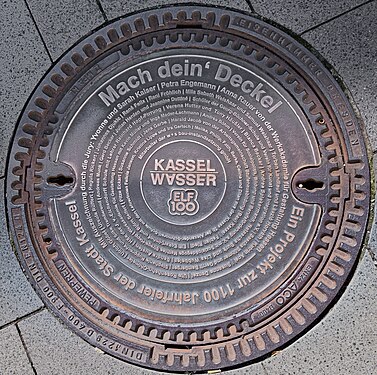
x=17 y=297
x=23 y=60
x=13 y=359
x=55 y=350
x=345 y=341
x=300 y=15
x=63 y=22
x=349 y=44
x=116 y=8
x=43 y=334
x=256 y=369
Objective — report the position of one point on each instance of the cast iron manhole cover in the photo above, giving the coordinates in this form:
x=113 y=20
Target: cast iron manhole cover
x=188 y=190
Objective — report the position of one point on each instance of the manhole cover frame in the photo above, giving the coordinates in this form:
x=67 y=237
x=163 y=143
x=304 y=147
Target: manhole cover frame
x=228 y=352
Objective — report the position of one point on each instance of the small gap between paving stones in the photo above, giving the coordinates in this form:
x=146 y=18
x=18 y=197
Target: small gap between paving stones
x=250 y=5
x=336 y=17
x=16 y=321
x=26 y=349
x=104 y=15
x=372 y=255
x=39 y=32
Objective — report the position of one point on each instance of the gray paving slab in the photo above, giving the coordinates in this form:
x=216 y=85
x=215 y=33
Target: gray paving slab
x=255 y=369
x=23 y=60
x=349 y=44
x=13 y=358
x=345 y=341
x=17 y=297
x=43 y=332
x=53 y=349
x=300 y=15
x=116 y=8
x=63 y=22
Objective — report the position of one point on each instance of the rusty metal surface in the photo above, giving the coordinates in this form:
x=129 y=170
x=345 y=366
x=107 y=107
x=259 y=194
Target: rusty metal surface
x=188 y=190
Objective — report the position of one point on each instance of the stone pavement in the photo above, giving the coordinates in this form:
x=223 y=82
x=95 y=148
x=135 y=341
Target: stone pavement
x=34 y=34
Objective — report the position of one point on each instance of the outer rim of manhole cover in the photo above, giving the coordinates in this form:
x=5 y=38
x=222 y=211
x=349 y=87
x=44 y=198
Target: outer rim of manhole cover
x=207 y=255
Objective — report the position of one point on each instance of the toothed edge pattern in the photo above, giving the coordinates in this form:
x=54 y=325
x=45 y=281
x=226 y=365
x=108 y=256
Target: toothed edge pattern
x=40 y=127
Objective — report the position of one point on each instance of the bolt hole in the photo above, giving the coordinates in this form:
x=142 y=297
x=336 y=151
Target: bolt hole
x=311 y=185
x=59 y=180
x=48 y=241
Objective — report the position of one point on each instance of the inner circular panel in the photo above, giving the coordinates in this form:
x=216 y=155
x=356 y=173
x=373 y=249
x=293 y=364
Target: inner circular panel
x=184 y=179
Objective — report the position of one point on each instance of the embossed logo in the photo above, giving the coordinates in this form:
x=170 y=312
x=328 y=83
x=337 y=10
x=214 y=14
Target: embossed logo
x=184 y=172
x=183 y=202
x=183 y=182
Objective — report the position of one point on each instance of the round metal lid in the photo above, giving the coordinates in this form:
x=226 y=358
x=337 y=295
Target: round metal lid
x=188 y=190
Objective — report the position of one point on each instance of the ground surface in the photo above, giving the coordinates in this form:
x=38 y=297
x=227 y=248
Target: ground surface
x=34 y=34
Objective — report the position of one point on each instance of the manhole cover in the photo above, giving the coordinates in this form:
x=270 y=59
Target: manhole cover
x=188 y=190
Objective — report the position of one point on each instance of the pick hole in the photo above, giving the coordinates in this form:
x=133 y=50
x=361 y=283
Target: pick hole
x=311 y=185
x=59 y=180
